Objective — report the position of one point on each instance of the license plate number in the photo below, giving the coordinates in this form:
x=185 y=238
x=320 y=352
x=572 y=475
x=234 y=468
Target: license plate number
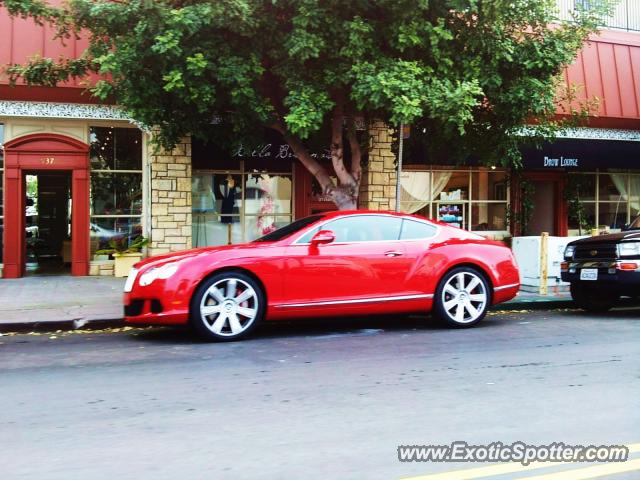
x=589 y=274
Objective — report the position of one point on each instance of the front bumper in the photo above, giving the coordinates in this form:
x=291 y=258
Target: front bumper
x=154 y=309
x=617 y=274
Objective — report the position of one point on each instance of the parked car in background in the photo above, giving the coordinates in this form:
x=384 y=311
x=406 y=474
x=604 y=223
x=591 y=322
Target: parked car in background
x=604 y=268
x=336 y=264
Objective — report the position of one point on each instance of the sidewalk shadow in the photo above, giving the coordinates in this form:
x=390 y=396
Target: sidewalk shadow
x=631 y=312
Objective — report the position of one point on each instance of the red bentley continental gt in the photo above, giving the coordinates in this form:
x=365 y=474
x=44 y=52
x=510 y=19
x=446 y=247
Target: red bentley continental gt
x=339 y=263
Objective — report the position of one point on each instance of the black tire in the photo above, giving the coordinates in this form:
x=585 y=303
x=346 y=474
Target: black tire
x=447 y=304
x=232 y=315
x=593 y=298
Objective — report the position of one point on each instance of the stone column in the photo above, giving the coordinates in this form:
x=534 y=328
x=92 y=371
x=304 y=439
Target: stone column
x=378 y=187
x=170 y=198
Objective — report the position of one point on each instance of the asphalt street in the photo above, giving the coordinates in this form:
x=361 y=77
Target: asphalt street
x=315 y=399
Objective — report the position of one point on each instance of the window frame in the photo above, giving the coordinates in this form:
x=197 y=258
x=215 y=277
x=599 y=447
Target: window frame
x=141 y=217
x=467 y=204
x=596 y=202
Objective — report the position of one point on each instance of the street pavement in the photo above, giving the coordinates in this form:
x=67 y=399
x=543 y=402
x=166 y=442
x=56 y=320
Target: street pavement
x=315 y=399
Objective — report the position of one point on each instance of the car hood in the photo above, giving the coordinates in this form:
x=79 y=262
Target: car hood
x=158 y=260
x=610 y=238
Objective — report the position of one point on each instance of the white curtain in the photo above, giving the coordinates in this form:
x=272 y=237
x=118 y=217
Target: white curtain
x=620 y=181
x=417 y=191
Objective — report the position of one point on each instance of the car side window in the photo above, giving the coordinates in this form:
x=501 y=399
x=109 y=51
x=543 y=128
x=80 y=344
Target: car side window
x=412 y=230
x=365 y=228
x=306 y=238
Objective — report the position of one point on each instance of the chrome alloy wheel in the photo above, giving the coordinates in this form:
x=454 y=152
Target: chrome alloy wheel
x=229 y=307
x=464 y=297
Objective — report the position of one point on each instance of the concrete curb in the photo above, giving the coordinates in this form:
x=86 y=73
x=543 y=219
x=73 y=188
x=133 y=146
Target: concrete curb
x=553 y=304
x=65 y=325
x=534 y=305
x=99 y=324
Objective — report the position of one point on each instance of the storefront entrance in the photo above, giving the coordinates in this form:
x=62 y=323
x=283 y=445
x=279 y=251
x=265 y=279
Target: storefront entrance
x=48 y=222
x=60 y=166
x=549 y=206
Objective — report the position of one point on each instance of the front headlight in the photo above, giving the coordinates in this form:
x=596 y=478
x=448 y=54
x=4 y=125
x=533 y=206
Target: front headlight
x=128 y=286
x=569 y=251
x=163 y=272
x=629 y=249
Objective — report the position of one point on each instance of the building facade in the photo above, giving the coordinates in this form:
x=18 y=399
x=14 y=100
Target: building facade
x=77 y=174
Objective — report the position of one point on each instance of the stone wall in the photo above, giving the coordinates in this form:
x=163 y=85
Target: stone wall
x=378 y=187
x=101 y=268
x=170 y=199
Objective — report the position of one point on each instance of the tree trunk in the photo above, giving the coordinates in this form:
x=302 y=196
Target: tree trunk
x=345 y=194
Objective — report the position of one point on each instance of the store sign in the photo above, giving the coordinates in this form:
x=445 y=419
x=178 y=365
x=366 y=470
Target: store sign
x=560 y=162
x=270 y=150
x=578 y=154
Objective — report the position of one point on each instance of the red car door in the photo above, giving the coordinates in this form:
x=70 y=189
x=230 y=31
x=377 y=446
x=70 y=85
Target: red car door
x=365 y=261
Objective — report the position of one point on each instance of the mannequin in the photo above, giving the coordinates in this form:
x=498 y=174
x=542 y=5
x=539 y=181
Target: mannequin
x=228 y=192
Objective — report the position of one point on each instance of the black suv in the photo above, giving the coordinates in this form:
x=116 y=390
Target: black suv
x=604 y=268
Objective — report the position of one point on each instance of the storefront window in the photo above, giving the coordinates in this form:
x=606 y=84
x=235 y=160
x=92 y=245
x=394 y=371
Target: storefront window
x=474 y=199
x=602 y=200
x=634 y=196
x=236 y=206
x=116 y=185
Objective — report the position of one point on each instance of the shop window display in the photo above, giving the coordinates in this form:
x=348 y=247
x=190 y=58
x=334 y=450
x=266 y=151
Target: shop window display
x=239 y=207
x=604 y=200
x=116 y=185
x=474 y=199
x=217 y=203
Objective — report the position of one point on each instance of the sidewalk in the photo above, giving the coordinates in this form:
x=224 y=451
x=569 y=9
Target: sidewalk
x=64 y=302
x=59 y=302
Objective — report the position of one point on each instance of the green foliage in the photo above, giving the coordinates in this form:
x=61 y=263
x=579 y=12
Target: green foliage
x=576 y=185
x=122 y=245
x=521 y=217
x=469 y=74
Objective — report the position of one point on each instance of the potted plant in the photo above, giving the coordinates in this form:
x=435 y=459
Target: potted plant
x=125 y=253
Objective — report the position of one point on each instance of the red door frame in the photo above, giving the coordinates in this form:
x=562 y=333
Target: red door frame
x=558 y=179
x=39 y=152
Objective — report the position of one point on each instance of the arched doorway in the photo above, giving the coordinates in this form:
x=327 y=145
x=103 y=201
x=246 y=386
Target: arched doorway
x=45 y=153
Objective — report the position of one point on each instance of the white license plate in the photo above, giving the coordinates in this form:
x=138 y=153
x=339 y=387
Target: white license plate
x=589 y=274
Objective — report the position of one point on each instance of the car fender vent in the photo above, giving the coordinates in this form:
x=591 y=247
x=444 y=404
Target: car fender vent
x=156 y=306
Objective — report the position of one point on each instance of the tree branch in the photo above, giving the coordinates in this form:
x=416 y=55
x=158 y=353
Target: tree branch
x=337 y=148
x=303 y=155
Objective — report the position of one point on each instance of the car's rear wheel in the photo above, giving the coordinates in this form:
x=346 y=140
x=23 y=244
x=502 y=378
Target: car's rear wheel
x=462 y=298
x=593 y=298
x=227 y=306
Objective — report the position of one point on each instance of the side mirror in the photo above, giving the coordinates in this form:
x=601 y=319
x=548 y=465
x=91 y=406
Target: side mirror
x=323 y=237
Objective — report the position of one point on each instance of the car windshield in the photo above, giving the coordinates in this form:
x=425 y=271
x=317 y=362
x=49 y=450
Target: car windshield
x=635 y=225
x=289 y=229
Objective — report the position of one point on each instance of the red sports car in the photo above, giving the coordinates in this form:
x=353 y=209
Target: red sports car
x=334 y=264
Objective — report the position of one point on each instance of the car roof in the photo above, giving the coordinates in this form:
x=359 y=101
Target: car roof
x=342 y=213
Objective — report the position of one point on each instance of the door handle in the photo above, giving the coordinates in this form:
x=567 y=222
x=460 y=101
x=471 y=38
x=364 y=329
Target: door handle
x=392 y=253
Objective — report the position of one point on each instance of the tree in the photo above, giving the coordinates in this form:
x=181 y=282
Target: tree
x=468 y=73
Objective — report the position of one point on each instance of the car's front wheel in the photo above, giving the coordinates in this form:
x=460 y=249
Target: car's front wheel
x=462 y=298
x=593 y=298
x=227 y=306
